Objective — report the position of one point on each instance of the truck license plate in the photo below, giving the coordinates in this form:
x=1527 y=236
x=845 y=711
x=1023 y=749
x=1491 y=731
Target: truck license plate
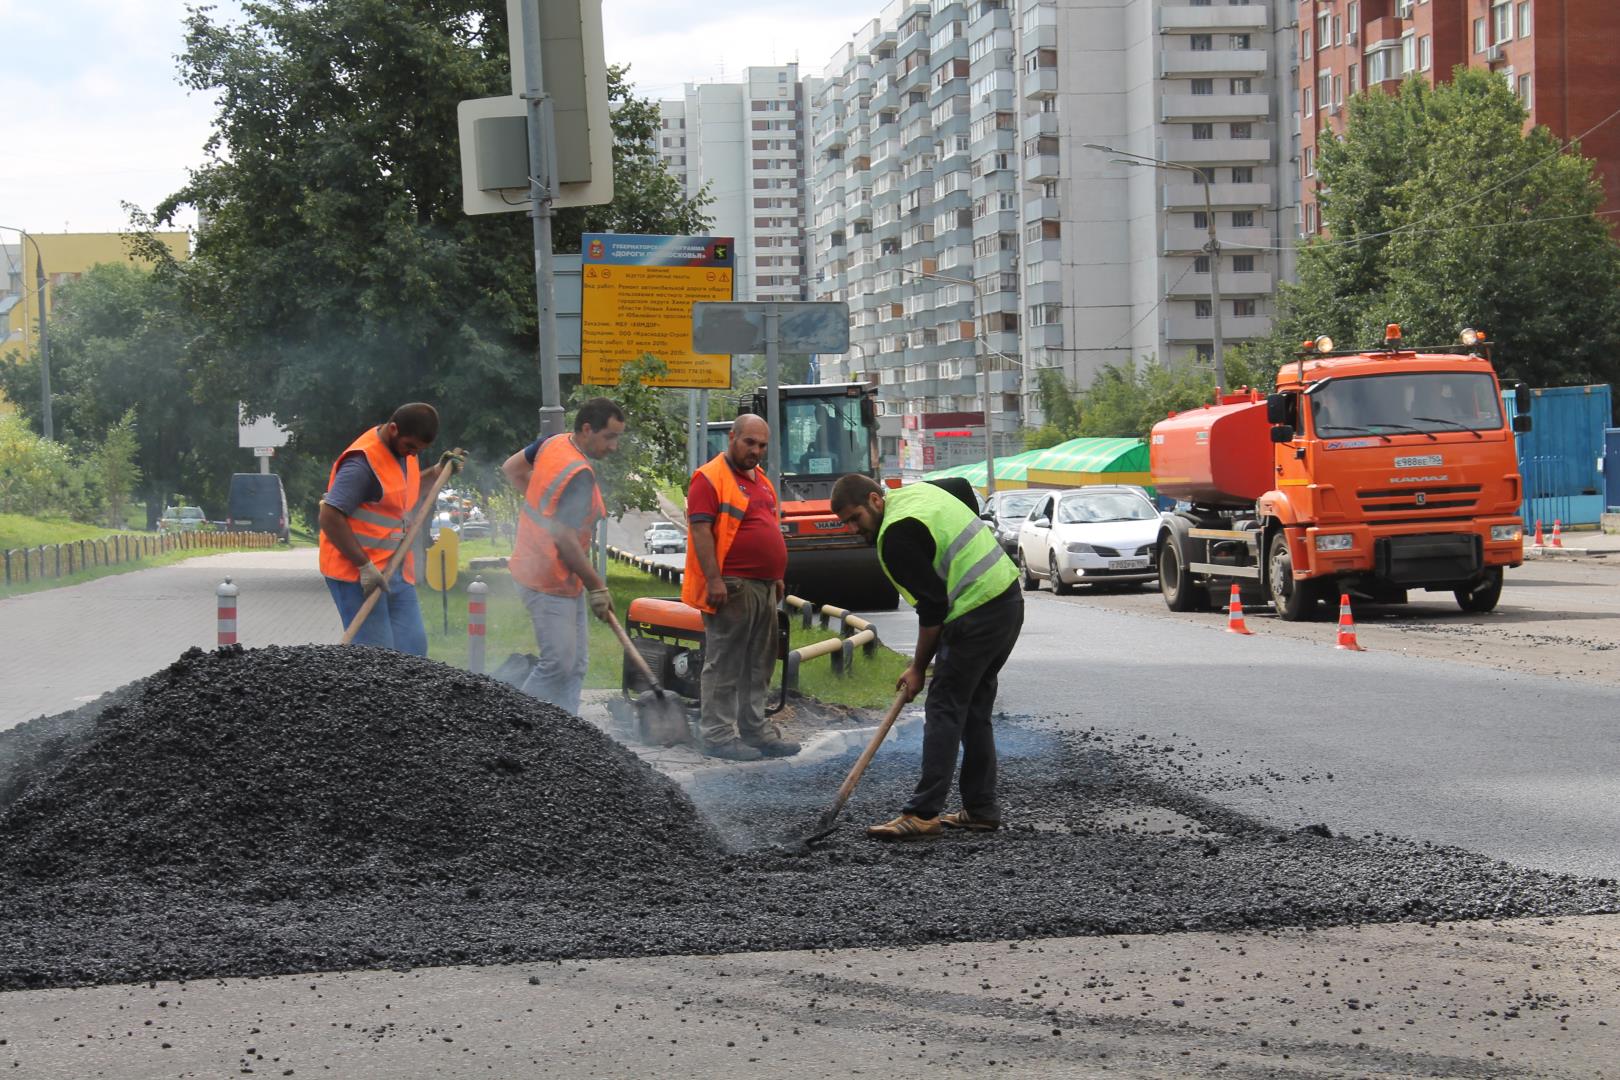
x=1127 y=564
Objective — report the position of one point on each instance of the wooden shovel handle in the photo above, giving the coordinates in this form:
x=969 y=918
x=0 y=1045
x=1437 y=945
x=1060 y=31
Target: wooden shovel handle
x=861 y=762
x=397 y=560
x=634 y=654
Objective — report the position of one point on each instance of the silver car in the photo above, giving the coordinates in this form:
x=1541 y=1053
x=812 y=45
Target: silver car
x=1097 y=535
x=1006 y=511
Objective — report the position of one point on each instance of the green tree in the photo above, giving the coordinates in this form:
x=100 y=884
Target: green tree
x=38 y=476
x=1442 y=212
x=336 y=275
x=115 y=463
x=1126 y=400
x=653 y=449
x=1058 y=406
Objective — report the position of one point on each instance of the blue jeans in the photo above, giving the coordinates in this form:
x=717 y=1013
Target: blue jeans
x=561 y=632
x=396 y=621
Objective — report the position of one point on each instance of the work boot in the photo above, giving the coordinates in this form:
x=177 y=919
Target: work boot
x=906 y=827
x=961 y=819
x=770 y=743
x=732 y=750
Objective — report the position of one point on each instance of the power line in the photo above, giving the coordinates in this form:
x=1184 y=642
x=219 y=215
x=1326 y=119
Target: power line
x=1160 y=304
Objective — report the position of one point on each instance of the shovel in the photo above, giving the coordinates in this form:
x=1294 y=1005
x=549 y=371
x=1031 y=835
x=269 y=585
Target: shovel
x=398 y=558
x=663 y=719
x=827 y=824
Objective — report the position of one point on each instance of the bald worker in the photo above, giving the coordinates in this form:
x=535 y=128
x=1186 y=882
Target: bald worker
x=735 y=562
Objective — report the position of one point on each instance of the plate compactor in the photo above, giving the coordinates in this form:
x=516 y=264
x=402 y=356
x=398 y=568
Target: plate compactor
x=669 y=636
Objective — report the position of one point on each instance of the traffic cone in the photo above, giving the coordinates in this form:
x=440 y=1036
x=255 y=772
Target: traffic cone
x=1558 y=534
x=1538 y=540
x=1347 y=627
x=1234 y=614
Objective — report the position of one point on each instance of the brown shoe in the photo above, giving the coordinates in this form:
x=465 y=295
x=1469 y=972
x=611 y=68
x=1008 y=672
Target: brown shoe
x=905 y=827
x=964 y=820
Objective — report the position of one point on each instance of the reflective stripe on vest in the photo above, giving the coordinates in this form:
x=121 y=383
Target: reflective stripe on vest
x=966 y=556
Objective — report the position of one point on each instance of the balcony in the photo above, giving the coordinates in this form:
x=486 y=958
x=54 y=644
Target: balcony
x=1244 y=18
x=1218 y=151
x=1187 y=241
x=1042 y=167
x=1042 y=210
x=1221 y=196
x=1041 y=84
x=1190 y=107
x=1190 y=64
x=1190 y=329
x=1196 y=286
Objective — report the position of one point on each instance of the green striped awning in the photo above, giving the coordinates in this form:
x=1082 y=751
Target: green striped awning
x=1011 y=469
x=1092 y=456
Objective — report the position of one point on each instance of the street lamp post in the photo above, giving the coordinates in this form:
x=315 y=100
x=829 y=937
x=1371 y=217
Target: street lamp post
x=984 y=369
x=1217 y=351
x=47 y=426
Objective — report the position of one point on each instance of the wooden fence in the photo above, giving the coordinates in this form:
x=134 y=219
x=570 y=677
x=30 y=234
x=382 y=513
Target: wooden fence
x=51 y=561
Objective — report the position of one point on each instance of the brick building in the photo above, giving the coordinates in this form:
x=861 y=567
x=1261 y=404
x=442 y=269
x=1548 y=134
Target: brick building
x=1557 y=55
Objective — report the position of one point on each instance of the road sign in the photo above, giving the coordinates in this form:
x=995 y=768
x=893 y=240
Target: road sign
x=803 y=326
x=264 y=451
x=253 y=431
x=637 y=297
x=443 y=559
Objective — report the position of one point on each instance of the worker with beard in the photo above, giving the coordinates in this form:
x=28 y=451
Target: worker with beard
x=735 y=563
x=947 y=563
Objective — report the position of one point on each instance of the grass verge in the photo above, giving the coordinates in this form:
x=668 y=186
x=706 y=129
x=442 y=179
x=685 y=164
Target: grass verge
x=166 y=558
x=19 y=531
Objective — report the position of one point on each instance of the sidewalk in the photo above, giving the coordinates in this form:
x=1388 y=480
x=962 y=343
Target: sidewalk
x=1585 y=543
x=63 y=647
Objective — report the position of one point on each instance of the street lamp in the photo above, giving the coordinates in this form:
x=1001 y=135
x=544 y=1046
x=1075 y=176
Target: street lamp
x=47 y=427
x=1142 y=161
x=984 y=368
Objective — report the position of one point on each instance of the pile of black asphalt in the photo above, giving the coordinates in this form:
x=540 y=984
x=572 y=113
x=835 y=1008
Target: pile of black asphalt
x=246 y=813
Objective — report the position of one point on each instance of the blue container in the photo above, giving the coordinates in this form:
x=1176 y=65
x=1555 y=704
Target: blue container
x=1561 y=457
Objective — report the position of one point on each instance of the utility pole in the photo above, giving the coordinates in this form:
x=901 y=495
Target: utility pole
x=542 y=190
x=47 y=426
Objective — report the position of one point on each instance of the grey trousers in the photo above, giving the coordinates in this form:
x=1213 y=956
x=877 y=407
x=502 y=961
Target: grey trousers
x=739 y=649
x=561 y=632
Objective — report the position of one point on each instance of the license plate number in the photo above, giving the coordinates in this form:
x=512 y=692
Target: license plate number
x=1127 y=564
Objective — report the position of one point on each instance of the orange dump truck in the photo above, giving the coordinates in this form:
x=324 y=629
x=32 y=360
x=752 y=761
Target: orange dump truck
x=1371 y=473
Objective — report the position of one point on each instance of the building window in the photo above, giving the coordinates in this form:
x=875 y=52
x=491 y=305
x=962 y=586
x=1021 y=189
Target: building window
x=1322 y=38
x=1243 y=174
x=1200 y=219
x=1304 y=43
x=1243 y=219
x=1205 y=354
x=1243 y=309
x=1243 y=264
x=1242 y=86
x=1355 y=73
x=1203 y=87
x=1526 y=92
x=1338 y=90
x=1425 y=53
x=1201 y=264
x=1202 y=42
x=1201 y=309
x=1308 y=161
x=1202 y=132
x=1310 y=217
x=1479 y=35
x=1524 y=18
x=1240 y=41
x=1307 y=102
x=1244 y=130
x=1502 y=21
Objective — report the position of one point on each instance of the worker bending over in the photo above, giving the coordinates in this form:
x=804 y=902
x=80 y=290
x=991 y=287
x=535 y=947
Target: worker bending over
x=369 y=495
x=735 y=562
x=946 y=562
x=551 y=563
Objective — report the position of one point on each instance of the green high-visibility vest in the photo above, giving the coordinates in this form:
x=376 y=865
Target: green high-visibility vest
x=966 y=555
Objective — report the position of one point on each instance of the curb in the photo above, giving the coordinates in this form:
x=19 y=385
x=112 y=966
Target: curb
x=1547 y=551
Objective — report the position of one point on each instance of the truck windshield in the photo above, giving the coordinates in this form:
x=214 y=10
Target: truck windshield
x=824 y=437
x=1425 y=403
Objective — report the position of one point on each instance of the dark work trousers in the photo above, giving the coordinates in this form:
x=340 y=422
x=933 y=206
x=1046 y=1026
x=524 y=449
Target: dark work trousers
x=961 y=697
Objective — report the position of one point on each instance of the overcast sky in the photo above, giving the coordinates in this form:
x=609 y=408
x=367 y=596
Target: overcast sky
x=94 y=117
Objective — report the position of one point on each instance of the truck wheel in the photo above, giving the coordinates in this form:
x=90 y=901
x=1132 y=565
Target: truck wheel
x=1058 y=586
x=1175 y=581
x=1031 y=582
x=1295 y=601
x=1483 y=595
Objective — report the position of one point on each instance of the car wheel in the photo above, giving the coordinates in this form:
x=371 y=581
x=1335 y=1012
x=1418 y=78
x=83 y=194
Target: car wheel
x=1482 y=597
x=1031 y=582
x=1057 y=579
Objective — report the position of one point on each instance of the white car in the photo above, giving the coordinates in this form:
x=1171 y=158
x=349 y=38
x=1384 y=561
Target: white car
x=664 y=540
x=1098 y=535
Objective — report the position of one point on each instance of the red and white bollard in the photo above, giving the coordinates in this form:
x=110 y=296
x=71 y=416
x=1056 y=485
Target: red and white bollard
x=225 y=597
x=476 y=592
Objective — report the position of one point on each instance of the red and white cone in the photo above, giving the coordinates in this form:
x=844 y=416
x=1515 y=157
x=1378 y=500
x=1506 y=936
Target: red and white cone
x=1538 y=541
x=1234 y=614
x=1347 y=626
x=1558 y=533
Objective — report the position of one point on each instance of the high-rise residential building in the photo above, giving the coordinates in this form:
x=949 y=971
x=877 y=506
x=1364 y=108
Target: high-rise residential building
x=745 y=144
x=987 y=210
x=1557 y=55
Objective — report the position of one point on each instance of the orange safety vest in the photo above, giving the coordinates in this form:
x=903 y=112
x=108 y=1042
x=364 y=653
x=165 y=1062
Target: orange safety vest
x=379 y=526
x=535 y=562
x=733 y=508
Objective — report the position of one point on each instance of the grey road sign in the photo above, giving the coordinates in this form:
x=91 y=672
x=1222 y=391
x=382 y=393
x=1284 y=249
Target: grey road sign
x=803 y=326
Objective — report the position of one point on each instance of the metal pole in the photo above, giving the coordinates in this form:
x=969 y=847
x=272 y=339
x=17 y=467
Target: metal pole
x=692 y=443
x=984 y=368
x=703 y=427
x=542 y=189
x=264 y=466
x=1214 y=248
x=773 y=397
x=47 y=426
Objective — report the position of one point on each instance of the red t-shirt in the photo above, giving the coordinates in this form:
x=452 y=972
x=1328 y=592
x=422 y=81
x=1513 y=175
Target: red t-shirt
x=757 y=551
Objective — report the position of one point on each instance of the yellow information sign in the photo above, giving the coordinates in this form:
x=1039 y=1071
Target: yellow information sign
x=443 y=560
x=637 y=296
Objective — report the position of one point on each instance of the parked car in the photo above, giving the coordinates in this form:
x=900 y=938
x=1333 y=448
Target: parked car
x=665 y=540
x=177 y=519
x=657 y=526
x=257 y=503
x=1099 y=535
x=475 y=526
x=1006 y=510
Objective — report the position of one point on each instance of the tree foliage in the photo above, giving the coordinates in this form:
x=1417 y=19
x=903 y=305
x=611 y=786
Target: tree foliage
x=335 y=275
x=653 y=449
x=1126 y=400
x=1060 y=409
x=1442 y=212
x=115 y=463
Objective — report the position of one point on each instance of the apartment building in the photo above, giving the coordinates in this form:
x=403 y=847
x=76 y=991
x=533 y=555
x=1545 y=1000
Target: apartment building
x=987 y=209
x=1557 y=55
x=746 y=142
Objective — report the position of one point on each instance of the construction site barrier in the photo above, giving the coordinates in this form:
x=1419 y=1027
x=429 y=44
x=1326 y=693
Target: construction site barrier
x=477 y=608
x=51 y=561
x=225 y=612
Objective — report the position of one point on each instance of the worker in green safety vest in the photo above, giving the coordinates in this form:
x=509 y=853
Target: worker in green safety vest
x=947 y=563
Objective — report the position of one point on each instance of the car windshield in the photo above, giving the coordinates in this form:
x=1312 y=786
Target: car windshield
x=191 y=513
x=1427 y=403
x=1115 y=506
x=1017 y=506
x=824 y=437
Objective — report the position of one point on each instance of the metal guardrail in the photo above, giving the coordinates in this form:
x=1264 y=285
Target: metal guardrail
x=52 y=561
x=854 y=632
